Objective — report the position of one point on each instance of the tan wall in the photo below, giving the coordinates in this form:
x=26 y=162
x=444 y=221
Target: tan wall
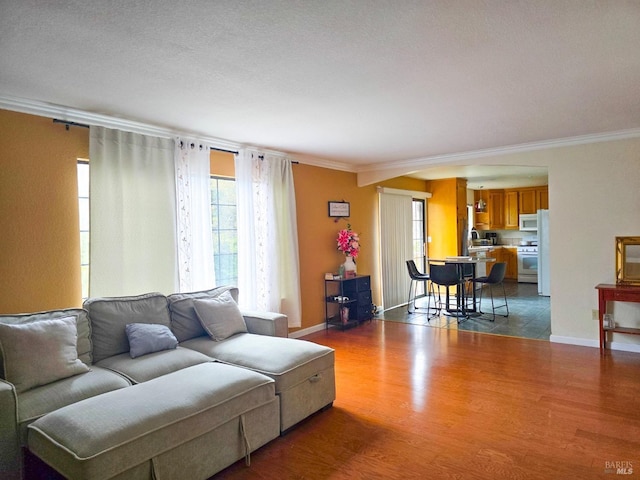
x=222 y=164
x=40 y=242
x=317 y=232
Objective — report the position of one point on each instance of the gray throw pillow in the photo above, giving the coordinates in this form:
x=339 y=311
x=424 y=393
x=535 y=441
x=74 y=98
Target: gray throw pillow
x=220 y=316
x=42 y=352
x=148 y=338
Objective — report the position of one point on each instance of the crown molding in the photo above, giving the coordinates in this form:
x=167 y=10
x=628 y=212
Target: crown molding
x=420 y=163
x=44 y=109
x=59 y=112
x=324 y=163
x=407 y=193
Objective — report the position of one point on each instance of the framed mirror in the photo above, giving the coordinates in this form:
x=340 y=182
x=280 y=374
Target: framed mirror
x=628 y=260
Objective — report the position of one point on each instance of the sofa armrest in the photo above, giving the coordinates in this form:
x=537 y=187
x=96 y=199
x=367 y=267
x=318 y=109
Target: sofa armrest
x=267 y=323
x=10 y=455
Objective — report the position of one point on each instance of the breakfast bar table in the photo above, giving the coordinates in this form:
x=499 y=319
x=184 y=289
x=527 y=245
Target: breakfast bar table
x=462 y=308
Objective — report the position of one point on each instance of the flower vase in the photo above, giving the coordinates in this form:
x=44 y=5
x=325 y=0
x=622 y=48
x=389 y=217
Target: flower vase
x=349 y=267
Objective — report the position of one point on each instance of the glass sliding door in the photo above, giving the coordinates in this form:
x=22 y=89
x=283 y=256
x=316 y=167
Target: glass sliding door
x=418 y=239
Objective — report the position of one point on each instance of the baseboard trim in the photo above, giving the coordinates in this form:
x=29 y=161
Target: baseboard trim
x=585 y=342
x=307 y=331
x=624 y=347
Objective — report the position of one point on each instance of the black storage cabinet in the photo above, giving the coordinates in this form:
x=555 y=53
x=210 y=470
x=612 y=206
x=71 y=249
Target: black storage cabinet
x=358 y=290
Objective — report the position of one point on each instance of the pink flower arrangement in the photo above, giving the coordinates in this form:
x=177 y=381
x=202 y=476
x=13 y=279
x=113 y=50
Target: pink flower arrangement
x=349 y=242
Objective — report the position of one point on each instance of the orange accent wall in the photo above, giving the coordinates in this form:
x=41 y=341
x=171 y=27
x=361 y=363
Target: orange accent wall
x=442 y=218
x=39 y=241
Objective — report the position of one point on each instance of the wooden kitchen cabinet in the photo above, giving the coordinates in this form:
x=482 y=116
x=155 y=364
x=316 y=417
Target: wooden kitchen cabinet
x=527 y=201
x=530 y=200
x=511 y=212
x=503 y=207
x=510 y=256
x=492 y=216
x=481 y=217
x=496 y=253
x=507 y=255
x=542 y=198
x=496 y=209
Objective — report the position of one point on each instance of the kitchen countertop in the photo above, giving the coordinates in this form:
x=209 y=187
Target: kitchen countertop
x=488 y=248
x=482 y=248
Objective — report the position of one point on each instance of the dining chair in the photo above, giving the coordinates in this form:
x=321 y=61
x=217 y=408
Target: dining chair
x=417 y=276
x=495 y=277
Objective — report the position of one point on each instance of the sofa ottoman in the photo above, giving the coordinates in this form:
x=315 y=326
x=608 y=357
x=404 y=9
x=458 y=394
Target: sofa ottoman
x=187 y=424
x=303 y=371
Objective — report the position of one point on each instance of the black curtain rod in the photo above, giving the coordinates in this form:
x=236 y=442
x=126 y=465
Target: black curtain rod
x=293 y=162
x=68 y=124
x=223 y=150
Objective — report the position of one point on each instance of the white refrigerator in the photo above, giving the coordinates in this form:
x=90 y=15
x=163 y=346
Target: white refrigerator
x=543 y=253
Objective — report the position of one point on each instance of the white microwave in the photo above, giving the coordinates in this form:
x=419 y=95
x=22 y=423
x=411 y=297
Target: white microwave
x=529 y=222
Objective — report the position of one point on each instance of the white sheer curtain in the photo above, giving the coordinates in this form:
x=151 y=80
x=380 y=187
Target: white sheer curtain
x=193 y=212
x=395 y=245
x=268 y=261
x=132 y=202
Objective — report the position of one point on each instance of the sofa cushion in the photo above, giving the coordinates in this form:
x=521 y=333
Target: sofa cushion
x=38 y=353
x=288 y=361
x=44 y=399
x=220 y=316
x=148 y=338
x=184 y=322
x=109 y=317
x=82 y=325
x=153 y=365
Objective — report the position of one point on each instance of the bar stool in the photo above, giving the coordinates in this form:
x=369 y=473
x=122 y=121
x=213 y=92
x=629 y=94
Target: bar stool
x=417 y=276
x=445 y=276
x=495 y=277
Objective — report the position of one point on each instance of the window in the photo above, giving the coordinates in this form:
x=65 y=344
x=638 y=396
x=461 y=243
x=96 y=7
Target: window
x=224 y=230
x=83 y=208
x=223 y=222
x=418 y=209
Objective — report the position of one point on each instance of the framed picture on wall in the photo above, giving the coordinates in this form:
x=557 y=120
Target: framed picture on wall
x=339 y=209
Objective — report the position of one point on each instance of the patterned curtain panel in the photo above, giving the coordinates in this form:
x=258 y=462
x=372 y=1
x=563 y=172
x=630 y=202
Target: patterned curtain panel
x=268 y=261
x=193 y=214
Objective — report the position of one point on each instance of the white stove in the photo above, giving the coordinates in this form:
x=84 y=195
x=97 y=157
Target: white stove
x=527 y=263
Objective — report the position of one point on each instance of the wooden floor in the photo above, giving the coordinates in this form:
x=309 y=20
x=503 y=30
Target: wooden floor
x=416 y=402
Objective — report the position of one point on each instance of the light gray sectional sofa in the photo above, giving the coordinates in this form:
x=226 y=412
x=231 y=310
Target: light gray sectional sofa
x=153 y=386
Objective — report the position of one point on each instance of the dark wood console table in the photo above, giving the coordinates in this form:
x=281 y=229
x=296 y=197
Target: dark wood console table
x=615 y=293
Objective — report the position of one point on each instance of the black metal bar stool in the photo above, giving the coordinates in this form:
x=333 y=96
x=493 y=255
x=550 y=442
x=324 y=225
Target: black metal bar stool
x=448 y=276
x=495 y=277
x=417 y=276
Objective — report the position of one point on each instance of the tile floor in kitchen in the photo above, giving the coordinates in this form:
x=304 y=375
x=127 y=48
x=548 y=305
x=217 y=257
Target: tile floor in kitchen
x=529 y=314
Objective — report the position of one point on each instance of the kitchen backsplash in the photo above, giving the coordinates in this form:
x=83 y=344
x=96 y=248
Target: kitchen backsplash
x=510 y=237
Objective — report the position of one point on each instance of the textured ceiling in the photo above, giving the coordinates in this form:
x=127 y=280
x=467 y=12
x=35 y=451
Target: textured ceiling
x=357 y=82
